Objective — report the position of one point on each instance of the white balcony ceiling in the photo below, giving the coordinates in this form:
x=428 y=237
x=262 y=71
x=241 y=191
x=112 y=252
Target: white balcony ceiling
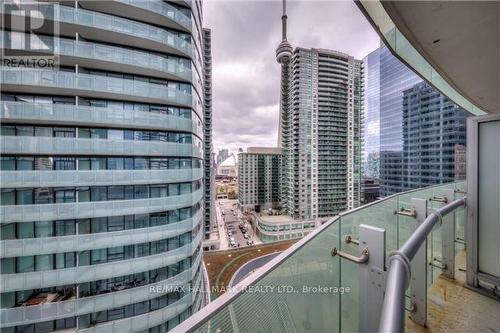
x=460 y=39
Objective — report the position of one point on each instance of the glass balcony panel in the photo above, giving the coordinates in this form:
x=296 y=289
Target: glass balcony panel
x=311 y=264
x=64 y=211
x=49 y=178
x=288 y=311
x=460 y=218
x=162 y=8
x=72 y=146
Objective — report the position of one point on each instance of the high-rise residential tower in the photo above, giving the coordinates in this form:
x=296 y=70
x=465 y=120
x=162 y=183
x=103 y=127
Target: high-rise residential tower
x=222 y=155
x=102 y=167
x=209 y=168
x=321 y=122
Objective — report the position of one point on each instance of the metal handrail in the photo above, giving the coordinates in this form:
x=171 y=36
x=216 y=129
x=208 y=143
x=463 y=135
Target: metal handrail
x=399 y=272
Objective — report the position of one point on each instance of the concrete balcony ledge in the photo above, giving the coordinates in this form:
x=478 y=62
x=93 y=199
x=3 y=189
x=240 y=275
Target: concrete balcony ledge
x=64 y=211
x=57 y=178
x=83 y=242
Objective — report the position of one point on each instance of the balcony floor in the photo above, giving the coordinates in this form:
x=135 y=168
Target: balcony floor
x=454 y=308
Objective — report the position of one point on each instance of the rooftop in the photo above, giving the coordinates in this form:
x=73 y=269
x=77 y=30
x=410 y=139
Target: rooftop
x=275 y=218
x=264 y=150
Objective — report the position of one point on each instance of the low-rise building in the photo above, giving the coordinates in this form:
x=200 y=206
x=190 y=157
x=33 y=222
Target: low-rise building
x=271 y=225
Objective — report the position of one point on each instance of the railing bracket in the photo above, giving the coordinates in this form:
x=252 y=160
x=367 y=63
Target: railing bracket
x=439 y=199
x=349 y=239
x=406 y=212
x=442 y=266
x=363 y=258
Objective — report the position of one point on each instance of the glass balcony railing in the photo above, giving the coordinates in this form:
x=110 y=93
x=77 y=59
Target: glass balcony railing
x=54 y=178
x=65 y=211
x=95 y=83
x=103 y=52
x=79 y=146
x=120 y=25
x=162 y=8
x=307 y=289
x=120 y=55
x=99 y=116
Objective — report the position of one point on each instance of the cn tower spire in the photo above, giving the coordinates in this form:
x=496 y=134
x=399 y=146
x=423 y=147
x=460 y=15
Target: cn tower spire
x=283 y=21
x=284 y=50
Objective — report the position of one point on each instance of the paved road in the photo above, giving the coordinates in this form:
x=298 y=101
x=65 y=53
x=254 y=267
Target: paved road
x=250 y=267
x=231 y=220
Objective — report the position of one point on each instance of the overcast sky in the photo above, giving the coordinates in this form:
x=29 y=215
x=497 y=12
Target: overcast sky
x=246 y=76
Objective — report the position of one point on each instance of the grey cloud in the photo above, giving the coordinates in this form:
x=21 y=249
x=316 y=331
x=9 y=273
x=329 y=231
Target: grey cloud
x=245 y=73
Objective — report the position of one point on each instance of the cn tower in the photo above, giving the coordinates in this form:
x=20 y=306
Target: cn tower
x=284 y=50
x=284 y=54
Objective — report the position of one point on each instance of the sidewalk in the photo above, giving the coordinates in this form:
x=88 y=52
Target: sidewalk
x=224 y=244
x=253 y=235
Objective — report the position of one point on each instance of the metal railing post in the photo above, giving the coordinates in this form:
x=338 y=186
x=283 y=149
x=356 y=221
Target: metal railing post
x=448 y=239
x=371 y=278
x=418 y=282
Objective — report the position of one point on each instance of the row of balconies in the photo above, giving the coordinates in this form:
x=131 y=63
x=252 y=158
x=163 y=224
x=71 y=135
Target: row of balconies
x=81 y=146
x=68 y=83
x=67 y=114
x=81 y=306
x=81 y=274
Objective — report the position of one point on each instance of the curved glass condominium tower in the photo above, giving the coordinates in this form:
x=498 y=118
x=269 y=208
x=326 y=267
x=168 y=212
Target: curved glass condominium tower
x=102 y=165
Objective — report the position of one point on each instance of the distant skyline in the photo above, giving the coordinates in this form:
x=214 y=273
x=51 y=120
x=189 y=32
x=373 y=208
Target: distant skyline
x=246 y=76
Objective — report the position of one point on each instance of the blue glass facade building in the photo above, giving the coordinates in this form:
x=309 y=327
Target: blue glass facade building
x=371 y=132
x=407 y=108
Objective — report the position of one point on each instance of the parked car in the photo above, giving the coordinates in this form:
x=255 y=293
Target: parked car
x=232 y=243
x=232 y=240
x=249 y=242
x=246 y=236
x=229 y=233
x=243 y=230
x=241 y=226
